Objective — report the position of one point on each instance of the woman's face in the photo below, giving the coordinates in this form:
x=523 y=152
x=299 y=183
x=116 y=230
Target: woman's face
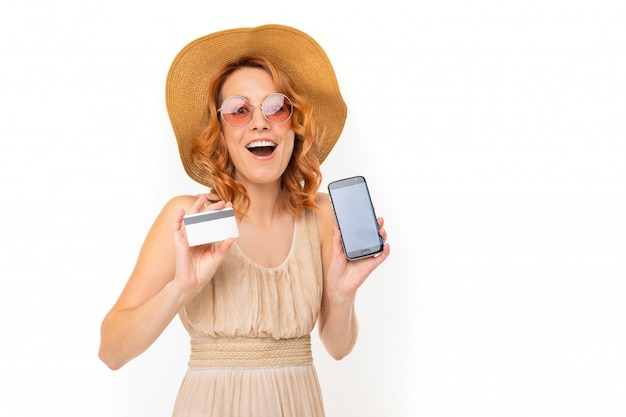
x=260 y=149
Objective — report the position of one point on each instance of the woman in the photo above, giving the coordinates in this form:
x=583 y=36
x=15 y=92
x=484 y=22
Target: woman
x=255 y=111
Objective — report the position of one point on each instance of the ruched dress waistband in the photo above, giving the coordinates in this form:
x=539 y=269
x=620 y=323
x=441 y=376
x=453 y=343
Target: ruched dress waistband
x=247 y=352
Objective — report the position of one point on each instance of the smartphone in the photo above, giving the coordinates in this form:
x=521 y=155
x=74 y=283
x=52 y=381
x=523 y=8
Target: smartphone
x=356 y=217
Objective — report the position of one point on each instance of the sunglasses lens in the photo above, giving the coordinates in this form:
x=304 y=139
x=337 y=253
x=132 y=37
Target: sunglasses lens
x=277 y=108
x=236 y=111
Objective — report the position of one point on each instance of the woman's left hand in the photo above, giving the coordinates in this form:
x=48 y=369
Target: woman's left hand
x=346 y=276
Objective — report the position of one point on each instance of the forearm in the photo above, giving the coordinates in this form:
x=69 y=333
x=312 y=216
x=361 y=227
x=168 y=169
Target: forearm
x=338 y=327
x=127 y=333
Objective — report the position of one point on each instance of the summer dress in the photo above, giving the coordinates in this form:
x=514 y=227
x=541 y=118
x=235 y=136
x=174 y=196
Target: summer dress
x=250 y=343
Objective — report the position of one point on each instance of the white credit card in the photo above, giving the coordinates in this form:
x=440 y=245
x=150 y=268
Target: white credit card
x=210 y=226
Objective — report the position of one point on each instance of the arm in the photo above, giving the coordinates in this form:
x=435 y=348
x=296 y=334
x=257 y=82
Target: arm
x=168 y=273
x=337 y=325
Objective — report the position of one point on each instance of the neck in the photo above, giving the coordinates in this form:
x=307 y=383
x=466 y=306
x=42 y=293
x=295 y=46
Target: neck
x=265 y=201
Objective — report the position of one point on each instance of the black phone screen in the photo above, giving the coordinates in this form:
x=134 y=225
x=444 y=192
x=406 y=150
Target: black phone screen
x=356 y=217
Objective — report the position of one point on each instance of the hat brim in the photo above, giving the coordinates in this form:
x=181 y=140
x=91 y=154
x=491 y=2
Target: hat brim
x=292 y=50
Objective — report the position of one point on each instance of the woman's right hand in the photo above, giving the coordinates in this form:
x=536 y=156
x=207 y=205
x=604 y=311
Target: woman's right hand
x=167 y=274
x=196 y=265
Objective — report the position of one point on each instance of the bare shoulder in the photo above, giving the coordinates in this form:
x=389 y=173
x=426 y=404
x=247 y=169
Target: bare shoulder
x=174 y=204
x=323 y=202
x=162 y=226
x=181 y=201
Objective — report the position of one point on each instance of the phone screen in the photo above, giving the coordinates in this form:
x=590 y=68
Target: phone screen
x=356 y=217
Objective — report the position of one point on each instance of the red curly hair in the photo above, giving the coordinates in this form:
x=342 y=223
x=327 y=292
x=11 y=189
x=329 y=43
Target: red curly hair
x=302 y=177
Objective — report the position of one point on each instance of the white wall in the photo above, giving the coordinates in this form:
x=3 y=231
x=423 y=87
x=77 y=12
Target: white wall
x=493 y=138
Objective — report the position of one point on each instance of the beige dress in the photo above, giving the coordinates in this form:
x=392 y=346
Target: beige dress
x=250 y=343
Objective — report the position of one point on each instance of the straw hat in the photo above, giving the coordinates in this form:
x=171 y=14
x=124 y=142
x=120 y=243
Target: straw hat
x=292 y=50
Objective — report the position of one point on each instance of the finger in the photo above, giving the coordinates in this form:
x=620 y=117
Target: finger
x=197 y=206
x=178 y=220
x=178 y=229
x=215 y=254
x=224 y=247
x=376 y=260
x=386 y=252
x=217 y=206
x=383 y=234
x=381 y=228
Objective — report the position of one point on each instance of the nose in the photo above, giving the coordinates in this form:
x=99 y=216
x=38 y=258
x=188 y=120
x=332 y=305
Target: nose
x=258 y=120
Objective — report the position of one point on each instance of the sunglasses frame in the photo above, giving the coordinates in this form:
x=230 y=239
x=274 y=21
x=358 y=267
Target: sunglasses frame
x=252 y=106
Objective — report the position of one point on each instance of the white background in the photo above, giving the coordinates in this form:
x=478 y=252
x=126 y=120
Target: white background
x=493 y=137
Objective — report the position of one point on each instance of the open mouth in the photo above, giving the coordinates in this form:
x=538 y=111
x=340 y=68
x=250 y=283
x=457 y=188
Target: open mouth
x=261 y=147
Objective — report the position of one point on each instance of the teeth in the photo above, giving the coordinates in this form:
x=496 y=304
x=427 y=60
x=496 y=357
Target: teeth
x=260 y=143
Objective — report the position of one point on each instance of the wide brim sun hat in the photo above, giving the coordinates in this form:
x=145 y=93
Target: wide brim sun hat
x=292 y=50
